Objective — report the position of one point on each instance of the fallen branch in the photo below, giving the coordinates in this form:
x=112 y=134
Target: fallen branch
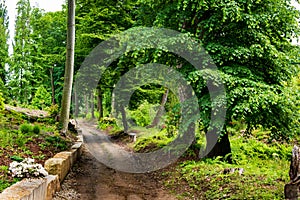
x=30 y=113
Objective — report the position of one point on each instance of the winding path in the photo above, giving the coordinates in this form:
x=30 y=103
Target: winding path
x=92 y=180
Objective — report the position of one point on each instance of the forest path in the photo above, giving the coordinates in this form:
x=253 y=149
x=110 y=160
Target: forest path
x=92 y=180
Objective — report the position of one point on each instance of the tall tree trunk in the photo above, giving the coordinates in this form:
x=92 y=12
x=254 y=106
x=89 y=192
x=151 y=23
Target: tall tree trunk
x=221 y=148
x=93 y=105
x=124 y=119
x=112 y=103
x=76 y=102
x=69 y=69
x=52 y=86
x=159 y=113
x=86 y=102
x=99 y=103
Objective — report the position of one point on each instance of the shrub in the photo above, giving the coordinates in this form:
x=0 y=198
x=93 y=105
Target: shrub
x=25 y=128
x=57 y=142
x=144 y=114
x=107 y=122
x=36 y=129
x=27 y=169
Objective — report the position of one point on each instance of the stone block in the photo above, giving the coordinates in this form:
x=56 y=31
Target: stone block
x=27 y=189
x=53 y=185
x=75 y=155
x=57 y=166
x=78 y=146
x=79 y=137
x=65 y=155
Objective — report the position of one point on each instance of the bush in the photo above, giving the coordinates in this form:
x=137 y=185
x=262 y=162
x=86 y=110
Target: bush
x=36 y=129
x=26 y=128
x=108 y=123
x=144 y=115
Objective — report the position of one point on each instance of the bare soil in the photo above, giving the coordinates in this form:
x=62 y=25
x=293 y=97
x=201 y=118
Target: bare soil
x=91 y=180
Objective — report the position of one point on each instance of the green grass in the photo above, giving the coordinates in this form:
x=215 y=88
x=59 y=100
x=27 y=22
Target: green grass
x=265 y=165
x=152 y=139
x=265 y=173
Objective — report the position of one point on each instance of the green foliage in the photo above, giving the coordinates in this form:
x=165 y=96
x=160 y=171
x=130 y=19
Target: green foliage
x=250 y=43
x=1 y=102
x=38 y=58
x=26 y=128
x=42 y=98
x=36 y=129
x=6 y=183
x=152 y=140
x=57 y=142
x=53 y=110
x=265 y=173
x=6 y=138
x=21 y=140
x=16 y=158
x=108 y=123
x=144 y=114
x=21 y=69
x=4 y=56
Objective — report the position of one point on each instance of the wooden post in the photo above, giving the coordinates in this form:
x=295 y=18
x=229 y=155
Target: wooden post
x=291 y=190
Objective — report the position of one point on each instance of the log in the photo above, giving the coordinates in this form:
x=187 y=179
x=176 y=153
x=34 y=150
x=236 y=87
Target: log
x=30 y=113
x=291 y=190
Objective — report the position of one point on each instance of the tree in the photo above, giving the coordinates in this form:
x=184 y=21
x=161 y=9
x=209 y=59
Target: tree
x=21 y=67
x=3 y=40
x=250 y=42
x=49 y=39
x=69 y=69
x=96 y=21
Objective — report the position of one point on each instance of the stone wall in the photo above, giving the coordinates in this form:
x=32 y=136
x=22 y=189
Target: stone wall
x=44 y=188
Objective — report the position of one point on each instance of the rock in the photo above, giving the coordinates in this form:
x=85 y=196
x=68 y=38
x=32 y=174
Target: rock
x=67 y=156
x=53 y=186
x=232 y=170
x=57 y=166
x=72 y=126
x=25 y=190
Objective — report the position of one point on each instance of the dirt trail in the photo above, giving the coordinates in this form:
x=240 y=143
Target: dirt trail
x=92 y=180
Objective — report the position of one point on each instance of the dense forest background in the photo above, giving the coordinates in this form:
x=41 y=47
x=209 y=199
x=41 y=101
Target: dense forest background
x=249 y=41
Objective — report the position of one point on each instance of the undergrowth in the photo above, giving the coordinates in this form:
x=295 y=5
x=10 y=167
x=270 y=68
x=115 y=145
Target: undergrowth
x=20 y=138
x=265 y=167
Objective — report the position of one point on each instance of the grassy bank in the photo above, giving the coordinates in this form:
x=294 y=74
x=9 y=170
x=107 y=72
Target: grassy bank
x=21 y=138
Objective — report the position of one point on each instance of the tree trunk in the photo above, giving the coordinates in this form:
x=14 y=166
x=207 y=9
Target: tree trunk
x=291 y=190
x=221 y=148
x=76 y=102
x=52 y=86
x=86 y=102
x=69 y=69
x=159 y=113
x=93 y=105
x=112 y=102
x=99 y=103
x=124 y=119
